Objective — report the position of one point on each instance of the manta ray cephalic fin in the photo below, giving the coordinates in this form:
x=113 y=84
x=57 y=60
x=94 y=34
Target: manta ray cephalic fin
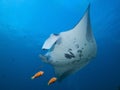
x=50 y=41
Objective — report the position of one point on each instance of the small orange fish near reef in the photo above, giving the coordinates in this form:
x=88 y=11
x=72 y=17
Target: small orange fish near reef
x=38 y=74
x=52 y=80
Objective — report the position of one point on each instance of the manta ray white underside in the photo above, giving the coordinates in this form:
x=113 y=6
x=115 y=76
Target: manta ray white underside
x=69 y=51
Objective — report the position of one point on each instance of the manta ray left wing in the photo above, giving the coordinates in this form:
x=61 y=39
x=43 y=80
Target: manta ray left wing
x=50 y=41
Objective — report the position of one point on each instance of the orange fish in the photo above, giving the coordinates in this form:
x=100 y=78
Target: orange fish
x=52 y=80
x=38 y=74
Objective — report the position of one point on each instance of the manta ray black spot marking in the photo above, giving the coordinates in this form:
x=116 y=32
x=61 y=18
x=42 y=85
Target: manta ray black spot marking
x=77 y=45
x=79 y=51
x=70 y=55
x=69 y=50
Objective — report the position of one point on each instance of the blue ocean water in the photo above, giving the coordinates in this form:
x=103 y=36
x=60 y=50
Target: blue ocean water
x=26 y=24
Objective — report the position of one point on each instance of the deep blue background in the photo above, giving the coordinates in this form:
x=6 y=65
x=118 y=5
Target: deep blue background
x=25 y=24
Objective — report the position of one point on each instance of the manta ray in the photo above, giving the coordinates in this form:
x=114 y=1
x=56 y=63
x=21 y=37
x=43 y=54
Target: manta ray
x=71 y=50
